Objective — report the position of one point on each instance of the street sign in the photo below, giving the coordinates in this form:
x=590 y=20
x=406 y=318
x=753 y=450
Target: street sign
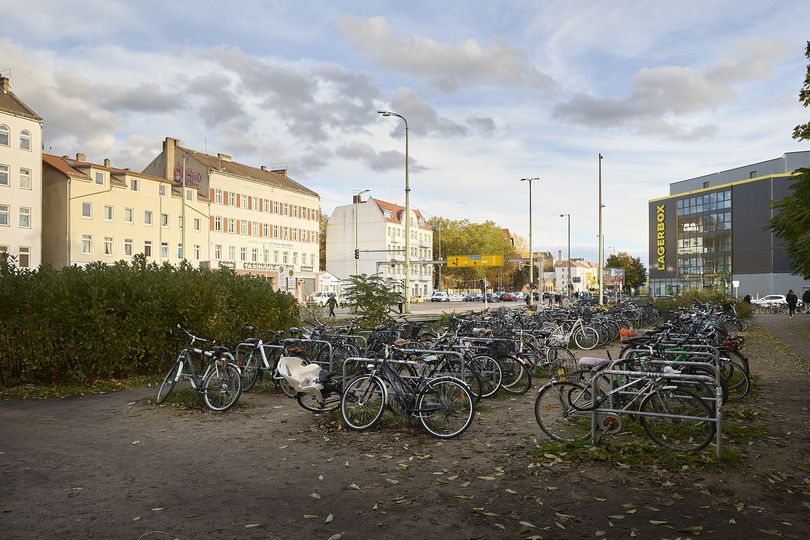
x=466 y=261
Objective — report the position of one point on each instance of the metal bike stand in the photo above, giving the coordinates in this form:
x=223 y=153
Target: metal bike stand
x=353 y=337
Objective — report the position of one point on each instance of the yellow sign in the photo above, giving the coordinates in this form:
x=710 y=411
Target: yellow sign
x=466 y=261
x=661 y=237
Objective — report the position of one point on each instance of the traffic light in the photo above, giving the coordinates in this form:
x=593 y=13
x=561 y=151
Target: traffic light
x=356 y=253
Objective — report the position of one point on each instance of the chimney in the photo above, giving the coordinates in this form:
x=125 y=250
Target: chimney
x=559 y=255
x=106 y=162
x=4 y=84
x=356 y=199
x=263 y=167
x=80 y=157
x=169 y=147
x=282 y=172
x=224 y=157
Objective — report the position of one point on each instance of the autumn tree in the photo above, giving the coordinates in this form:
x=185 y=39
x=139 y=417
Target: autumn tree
x=791 y=222
x=635 y=275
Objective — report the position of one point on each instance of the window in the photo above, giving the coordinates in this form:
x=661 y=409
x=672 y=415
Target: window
x=266 y=205
x=275 y=256
x=179 y=251
x=284 y=257
x=108 y=212
x=752 y=174
x=231 y=225
x=99 y=178
x=295 y=211
x=255 y=204
x=3 y=135
x=164 y=220
x=164 y=250
x=218 y=251
x=3 y=175
x=255 y=228
x=285 y=233
x=231 y=253
x=25 y=140
x=197 y=224
x=243 y=254
x=4 y=215
x=217 y=223
x=295 y=257
x=275 y=231
x=87 y=244
x=218 y=196
x=147 y=217
x=243 y=226
x=128 y=247
x=196 y=252
x=128 y=213
x=87 y=210
x=275 y=207
x=254 y=254
x=108 y=247
x=25 y=257
x=231 y=199
x=147 y=248
x=134 y=185
x=25 y=178
x=295 y=234
x=286 y=209
x=265 y=230
x=189 y=194
x=162 y=190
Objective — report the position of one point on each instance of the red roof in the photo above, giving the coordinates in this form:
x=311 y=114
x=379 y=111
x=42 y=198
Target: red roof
x=395 y=212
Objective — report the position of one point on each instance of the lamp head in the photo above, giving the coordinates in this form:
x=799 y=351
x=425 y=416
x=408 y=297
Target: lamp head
x=383 y=112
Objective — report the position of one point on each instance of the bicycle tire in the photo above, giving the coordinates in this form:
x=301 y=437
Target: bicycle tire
x=309 y=402
x=355 y=410
x=490 y=372
x=450 y=399
x=469 y=376
x=735 y=379
x=678 y=434
x=516 y=378
x=556 y=415
x=222 y=386
x=168 y=383
x=586 y=338
x=251 y=371
x=561 y=358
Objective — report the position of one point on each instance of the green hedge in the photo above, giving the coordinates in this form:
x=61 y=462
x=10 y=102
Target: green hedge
x=79 y=325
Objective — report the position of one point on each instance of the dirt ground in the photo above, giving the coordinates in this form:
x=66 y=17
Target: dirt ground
x=116 y=466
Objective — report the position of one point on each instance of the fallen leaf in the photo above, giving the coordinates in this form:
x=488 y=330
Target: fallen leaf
x=310 y=516
x=513 y=492
x=158 y=509
x=136 y=518
x=527 y=524
x=251 y=525
x=337 y=536
x=329 y=519
x=315 y=495
x=657 y=522
x=486 y=478
x=697 y=529
x=392 y=481
x=355 y=486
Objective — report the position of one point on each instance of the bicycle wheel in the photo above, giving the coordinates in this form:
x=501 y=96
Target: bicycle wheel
x=561 y=361
x=363 y=403
x=340 y=354
x=586 y=338
x=467 y=373
x=687 y=435
x=168 y=383
x=251 y=370
x=516 y=378
x=555 y=412
x=222 y=386
x=318 y=404
x=445 y=407
x=490 y=372
x=735 y=378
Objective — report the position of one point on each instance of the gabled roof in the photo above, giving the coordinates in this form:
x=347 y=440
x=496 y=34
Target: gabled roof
x=395 y=213
x=10 y=103
x=62 y=166
x=272 y=178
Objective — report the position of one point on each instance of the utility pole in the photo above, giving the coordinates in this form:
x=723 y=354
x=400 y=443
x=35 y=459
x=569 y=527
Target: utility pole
x=601 y=242
x=531 y=248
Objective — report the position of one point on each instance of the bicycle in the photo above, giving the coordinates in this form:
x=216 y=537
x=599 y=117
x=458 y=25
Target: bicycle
x=254 y=361
x=220 y=384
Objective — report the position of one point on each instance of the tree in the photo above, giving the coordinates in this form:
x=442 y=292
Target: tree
x=635 y=275
x=371 y=296
x=791 y=221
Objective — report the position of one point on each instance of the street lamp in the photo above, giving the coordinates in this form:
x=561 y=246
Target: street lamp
x=356 y=259
x=407 y=214
x=531 y=248
x=601 y=238
x=568 y=286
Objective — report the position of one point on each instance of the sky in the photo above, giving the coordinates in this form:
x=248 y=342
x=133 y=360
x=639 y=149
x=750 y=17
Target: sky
x=492 y=91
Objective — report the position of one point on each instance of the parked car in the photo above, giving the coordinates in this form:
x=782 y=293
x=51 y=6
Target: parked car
x=508 y=297
x=440 y=296
x=474 y=297
x=456 y=297
x=493 y=297
x=320 y=298
x=770 y=300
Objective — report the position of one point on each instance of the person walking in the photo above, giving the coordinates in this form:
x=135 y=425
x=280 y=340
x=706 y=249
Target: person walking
x=792 y=300
x=332 y=304
x=806 y=300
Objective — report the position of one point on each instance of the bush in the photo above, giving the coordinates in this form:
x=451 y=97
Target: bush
x=686 y=298
x=80 y=325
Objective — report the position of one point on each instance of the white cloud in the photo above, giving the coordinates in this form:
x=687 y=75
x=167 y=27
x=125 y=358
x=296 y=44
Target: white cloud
x=449 y=67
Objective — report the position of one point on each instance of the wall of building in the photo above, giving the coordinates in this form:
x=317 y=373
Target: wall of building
x=55 y=221
x=20 y=200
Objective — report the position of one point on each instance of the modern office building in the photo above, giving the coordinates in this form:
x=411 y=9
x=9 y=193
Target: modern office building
x=711 y=232
x=261 y=221
x=379 y=227
x=20 y=180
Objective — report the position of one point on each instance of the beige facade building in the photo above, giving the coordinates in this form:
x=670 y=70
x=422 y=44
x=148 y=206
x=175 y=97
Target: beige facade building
x=260 y=221
x=20 y=180
x=96 y=212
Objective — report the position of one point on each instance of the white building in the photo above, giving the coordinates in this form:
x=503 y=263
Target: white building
x=261 y=221
x=583 y=275
x=20 y=180
x=380 y=229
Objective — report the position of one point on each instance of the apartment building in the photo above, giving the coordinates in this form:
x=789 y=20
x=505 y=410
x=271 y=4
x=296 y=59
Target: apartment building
x=97 y=212
x=261 y=221
x=20 y=180
x=583 y=275
x=380 y=230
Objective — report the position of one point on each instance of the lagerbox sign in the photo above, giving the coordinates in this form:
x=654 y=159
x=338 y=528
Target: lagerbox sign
x=662 y=240
x=661 y=236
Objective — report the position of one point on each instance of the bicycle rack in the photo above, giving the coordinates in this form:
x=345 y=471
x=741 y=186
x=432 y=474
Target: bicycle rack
x=367 y=361
x=319 y=341
x=641 y=375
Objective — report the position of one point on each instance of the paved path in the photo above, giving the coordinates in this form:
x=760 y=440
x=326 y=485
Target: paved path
x=794 y=332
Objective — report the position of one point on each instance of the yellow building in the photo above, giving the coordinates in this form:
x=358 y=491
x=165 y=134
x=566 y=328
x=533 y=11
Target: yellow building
x=95 y=212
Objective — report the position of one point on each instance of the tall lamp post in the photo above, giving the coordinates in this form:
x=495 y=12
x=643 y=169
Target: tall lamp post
x=407 y=215
x=601 y=239
x=356 y=259
x=531 y=248
x=568 y=286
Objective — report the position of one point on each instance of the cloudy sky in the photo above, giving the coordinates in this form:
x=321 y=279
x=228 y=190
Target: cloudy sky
x=493 y=93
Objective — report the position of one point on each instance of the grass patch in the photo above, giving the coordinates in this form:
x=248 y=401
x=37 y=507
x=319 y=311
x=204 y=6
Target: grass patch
x=59 y=391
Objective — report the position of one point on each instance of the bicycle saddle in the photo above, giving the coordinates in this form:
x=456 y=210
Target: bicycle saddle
x=592 y=362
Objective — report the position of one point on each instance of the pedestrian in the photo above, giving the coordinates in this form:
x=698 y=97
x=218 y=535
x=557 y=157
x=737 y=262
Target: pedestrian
x=792 y=300
x=747 y=299
x=806 y=300
x=332 y=304
x=399 y=304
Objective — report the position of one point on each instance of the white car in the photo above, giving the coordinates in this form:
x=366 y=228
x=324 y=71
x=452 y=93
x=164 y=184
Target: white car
x=456 y=298
x=320 y=298
x=773 y=300
x=440 y=296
